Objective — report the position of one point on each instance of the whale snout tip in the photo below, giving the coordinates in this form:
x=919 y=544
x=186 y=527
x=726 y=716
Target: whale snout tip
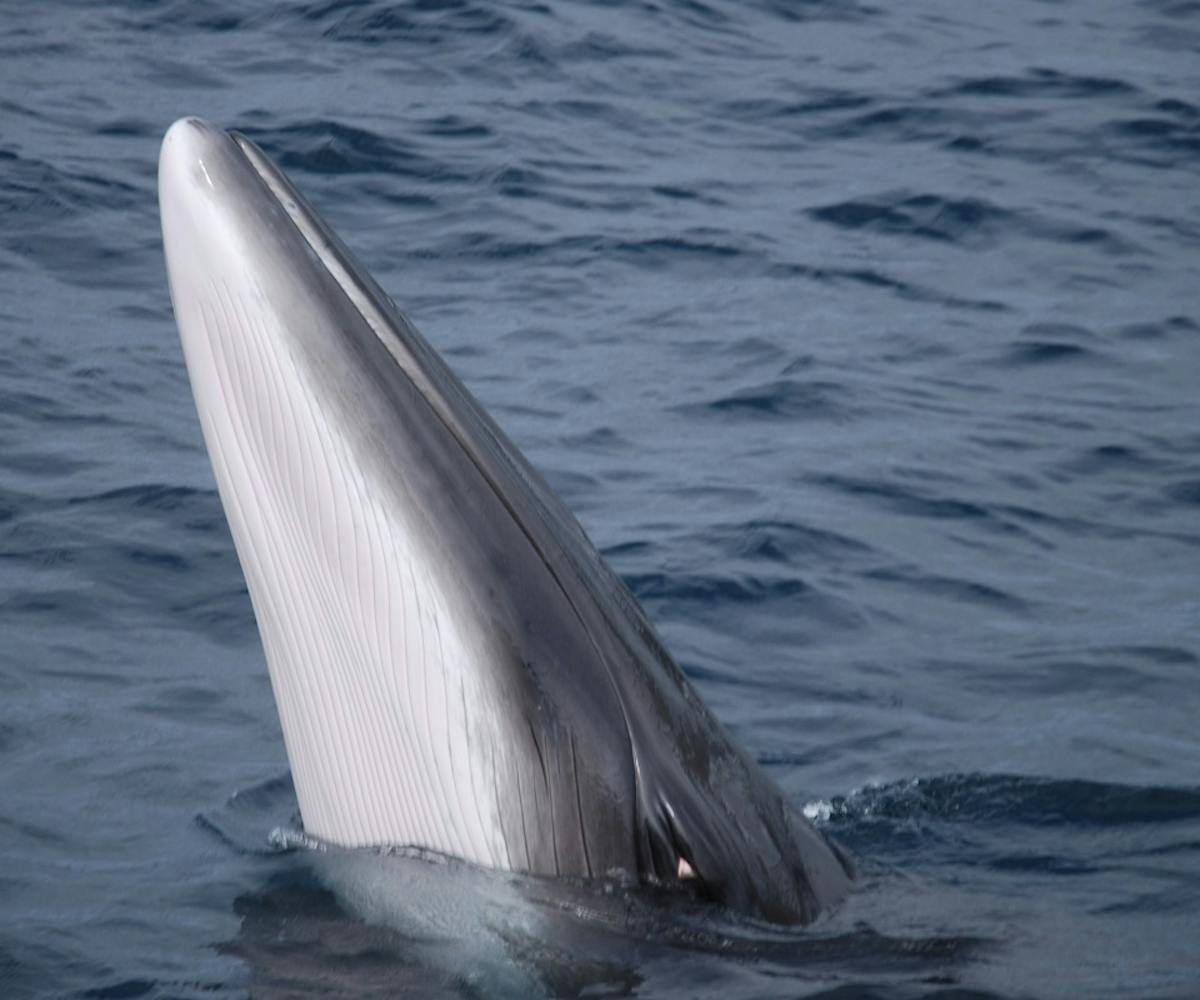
x=189 y=148
x=189 y=126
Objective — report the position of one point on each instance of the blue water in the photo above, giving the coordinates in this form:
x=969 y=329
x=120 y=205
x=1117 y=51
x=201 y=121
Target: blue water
x=865 y=341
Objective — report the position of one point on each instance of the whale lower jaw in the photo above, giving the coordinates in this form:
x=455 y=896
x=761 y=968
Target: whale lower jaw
x=345 y=581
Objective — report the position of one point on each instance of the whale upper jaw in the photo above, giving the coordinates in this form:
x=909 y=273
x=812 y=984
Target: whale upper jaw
x=455 y=667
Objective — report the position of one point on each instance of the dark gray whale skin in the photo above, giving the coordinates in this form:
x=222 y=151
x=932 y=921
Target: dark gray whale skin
x=611 y=762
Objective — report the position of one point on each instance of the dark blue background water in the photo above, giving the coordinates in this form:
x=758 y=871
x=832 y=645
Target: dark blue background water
x=864 y=339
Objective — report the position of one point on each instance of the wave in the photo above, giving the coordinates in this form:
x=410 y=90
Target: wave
x=1026 y=800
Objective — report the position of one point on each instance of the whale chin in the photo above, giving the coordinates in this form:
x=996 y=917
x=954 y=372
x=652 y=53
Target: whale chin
x=455 y=666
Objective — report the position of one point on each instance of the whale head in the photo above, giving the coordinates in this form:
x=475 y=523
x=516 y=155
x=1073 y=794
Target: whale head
x=454 y=665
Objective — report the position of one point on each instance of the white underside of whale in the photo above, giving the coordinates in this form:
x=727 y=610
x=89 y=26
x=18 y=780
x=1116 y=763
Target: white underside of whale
x=386 y=730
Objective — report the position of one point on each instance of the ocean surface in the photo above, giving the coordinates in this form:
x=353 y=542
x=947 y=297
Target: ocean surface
x=863 y=338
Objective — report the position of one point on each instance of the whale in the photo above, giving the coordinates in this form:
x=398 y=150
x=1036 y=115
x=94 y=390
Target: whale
x=455 y=666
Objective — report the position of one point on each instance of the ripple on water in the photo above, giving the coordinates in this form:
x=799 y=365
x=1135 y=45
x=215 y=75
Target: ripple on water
x=783 y=398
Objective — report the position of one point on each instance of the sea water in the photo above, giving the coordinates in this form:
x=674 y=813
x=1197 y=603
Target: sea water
x=863 y=338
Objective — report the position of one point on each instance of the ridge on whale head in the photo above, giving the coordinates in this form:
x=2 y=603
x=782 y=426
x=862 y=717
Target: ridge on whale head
x=454 y=664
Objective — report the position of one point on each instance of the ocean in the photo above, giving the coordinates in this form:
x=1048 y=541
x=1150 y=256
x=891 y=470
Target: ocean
x=863 y=339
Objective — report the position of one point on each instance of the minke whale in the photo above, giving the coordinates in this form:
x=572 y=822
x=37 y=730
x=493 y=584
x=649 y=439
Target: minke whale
x=455 y=666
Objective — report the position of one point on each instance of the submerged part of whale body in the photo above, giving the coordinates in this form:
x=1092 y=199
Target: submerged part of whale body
x=455 y=666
